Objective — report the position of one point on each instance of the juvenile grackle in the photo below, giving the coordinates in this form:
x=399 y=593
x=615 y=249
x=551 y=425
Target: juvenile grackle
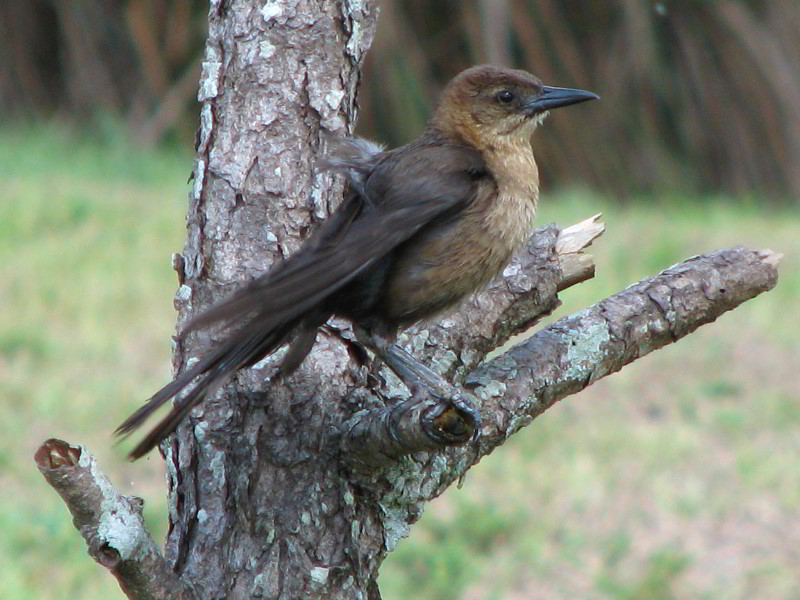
x=421 y=227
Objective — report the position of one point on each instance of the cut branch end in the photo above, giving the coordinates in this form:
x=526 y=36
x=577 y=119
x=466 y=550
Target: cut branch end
x=770 y=257
x=111 y=523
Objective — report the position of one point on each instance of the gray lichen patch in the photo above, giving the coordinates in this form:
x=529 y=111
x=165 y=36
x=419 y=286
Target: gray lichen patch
x=206 y=125
x=209 y=79
x=354 y=6
x=327 y=102
x=395 y=526
x=120 y=530
x=200 y=431
x=394 y=386
x=118 y=526
x=217 y=466
x=355 y=45
x=490 y=389
x=319 y=577
x=430 y=483
x=272 y=11
x=444 y=362
x=586 y=347
x=266 y=49
x=184 y=294
x=199 y=175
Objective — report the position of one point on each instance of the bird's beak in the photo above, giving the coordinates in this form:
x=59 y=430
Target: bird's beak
x=554 y=97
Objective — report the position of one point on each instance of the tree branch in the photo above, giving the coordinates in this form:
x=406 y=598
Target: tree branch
x=111 y=523
x=554 y=261
x=576 y=351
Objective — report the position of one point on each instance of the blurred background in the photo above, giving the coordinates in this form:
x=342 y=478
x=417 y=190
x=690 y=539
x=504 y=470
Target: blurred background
x=676 y=478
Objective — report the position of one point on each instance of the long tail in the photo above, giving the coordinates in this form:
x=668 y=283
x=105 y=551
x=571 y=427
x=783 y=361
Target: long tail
x=243 y=348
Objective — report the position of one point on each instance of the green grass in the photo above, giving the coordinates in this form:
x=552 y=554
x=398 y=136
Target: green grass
x=676 y=478
x=86 y=232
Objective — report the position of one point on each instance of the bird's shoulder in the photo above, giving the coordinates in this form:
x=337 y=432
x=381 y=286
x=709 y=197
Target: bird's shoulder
x=433 y=163
x=432 y=168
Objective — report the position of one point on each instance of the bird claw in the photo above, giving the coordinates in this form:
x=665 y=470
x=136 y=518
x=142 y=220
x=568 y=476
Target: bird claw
x=455 y=418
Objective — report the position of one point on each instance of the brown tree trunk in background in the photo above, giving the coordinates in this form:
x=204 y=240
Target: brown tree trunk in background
x=299 y=488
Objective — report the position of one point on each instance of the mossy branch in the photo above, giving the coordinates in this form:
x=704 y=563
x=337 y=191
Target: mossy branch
x=576 y=351
x=111 y=523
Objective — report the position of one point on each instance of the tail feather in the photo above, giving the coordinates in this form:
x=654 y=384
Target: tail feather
x=298 y=350
x=168 y=391
x=242 y=348
x=170 y=422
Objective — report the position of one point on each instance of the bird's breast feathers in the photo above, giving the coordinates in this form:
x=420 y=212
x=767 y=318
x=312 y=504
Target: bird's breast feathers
x=454 y=260
x=510 y=213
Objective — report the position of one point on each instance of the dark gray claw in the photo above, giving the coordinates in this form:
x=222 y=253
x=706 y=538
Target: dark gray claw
x=455 y=418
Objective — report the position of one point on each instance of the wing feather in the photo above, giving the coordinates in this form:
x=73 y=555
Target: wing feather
x=406 y=190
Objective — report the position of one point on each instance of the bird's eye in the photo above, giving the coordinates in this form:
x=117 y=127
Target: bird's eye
x=505 y=96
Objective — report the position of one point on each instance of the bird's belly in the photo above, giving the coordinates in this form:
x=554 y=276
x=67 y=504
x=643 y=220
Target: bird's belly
x=441 y=266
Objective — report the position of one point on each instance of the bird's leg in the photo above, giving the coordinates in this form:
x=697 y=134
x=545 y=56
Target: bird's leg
x=460 y=409
x=410 y=371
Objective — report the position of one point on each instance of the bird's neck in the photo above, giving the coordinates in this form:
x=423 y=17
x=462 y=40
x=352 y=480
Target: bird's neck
x=509 y=158
x=511 y=215
x=513 y=166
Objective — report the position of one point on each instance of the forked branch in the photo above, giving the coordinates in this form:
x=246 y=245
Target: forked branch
x=576 y=351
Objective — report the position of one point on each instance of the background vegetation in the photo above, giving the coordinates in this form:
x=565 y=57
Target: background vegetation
x=676 y=478
x=701 y=94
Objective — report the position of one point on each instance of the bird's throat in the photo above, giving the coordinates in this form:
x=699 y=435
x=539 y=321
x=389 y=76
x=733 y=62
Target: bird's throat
x=517 y=178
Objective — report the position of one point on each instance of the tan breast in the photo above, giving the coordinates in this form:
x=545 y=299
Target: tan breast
x=517 y=177
x=461 y=257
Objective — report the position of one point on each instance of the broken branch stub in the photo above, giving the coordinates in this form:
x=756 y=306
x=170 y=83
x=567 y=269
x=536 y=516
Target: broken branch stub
x=110 y=523
x=554 y=260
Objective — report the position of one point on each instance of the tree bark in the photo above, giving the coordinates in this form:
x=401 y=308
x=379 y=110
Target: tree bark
x=299 y=488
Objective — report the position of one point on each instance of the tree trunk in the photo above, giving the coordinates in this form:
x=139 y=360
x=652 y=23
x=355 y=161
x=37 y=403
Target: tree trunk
x=258 y=507
x=298 y=488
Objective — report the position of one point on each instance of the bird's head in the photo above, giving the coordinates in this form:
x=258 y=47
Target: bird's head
x=489 y=105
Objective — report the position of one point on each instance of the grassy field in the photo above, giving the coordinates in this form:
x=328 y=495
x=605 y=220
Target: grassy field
x=676 y=478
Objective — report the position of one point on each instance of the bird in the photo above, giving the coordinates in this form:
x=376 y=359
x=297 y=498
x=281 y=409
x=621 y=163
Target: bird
x=420 y=228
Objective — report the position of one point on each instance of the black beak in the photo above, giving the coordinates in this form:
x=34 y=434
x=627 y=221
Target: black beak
x=554 y=97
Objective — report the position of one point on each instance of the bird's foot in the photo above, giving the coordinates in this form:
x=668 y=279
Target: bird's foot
x=453 y=417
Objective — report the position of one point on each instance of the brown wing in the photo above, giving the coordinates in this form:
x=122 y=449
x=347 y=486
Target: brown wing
x=407 y=189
